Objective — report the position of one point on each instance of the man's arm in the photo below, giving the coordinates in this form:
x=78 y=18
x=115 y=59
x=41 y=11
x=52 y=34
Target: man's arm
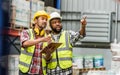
x=83 y=30
x=26 y=42
x=36 y=41
x=75 y=36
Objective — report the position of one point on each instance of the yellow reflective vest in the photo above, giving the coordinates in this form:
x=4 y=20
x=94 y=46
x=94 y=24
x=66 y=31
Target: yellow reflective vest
x=26 y=55
x=63 y=55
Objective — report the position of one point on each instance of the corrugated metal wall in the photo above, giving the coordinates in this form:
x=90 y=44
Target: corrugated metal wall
x=89 y=5
x=98 y=27
x=71 y=20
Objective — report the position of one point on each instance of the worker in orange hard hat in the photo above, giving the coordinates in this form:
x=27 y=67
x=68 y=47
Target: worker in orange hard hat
x=31 y=61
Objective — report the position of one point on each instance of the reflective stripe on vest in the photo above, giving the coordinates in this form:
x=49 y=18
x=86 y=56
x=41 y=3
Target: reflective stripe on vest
x=62 y=49
x=25 y=64
x=25 y=52
x=64 y=53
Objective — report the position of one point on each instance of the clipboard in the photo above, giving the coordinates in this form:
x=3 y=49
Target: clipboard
x=50 y=48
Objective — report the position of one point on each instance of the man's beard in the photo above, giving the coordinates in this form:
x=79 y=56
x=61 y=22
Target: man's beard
x=55 y=30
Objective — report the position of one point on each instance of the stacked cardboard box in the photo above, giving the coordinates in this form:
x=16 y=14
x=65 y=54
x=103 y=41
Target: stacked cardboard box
x=21 y=12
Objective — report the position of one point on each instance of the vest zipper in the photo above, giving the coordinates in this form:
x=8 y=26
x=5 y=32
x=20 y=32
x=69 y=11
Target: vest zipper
x=57 y=57
x=56 y=53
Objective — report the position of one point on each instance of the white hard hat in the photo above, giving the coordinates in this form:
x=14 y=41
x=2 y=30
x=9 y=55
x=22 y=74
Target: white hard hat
x=55 y=15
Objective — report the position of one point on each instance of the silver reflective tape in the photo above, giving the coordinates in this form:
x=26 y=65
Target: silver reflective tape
x=66 y=37
x=24 y=64
x=62 y=49
x=26 y=53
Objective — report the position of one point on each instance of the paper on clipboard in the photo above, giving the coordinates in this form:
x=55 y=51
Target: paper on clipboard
x=51 y=47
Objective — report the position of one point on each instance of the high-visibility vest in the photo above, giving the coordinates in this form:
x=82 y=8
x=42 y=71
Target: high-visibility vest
x=63 y=55
x=26 y=57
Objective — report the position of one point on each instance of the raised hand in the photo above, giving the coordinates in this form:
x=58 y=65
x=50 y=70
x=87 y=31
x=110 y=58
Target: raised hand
x=83 y=21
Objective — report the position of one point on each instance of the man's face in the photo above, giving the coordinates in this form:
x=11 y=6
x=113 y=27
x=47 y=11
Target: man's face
x=42 y=21
x=56 y=25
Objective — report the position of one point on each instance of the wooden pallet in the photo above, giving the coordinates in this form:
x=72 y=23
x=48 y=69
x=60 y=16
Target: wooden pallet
x=88 y=69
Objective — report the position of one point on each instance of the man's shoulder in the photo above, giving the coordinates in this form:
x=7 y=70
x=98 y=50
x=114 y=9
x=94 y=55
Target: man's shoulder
x=68 y=31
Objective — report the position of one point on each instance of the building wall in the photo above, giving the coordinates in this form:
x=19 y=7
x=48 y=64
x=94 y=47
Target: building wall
x=72 y=6
x=83 y=5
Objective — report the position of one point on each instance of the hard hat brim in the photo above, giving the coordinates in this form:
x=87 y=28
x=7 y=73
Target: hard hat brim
x=41 y=13
x=55 y=18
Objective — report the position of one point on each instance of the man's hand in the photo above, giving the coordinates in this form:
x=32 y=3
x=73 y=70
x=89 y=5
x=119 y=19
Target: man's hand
x=48 y=53
x=83 y=21
x=47 y=39
x=48 y=57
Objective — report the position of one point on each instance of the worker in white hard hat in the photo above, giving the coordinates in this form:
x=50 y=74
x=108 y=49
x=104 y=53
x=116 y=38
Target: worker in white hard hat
x=30 y=62
x=61 y=59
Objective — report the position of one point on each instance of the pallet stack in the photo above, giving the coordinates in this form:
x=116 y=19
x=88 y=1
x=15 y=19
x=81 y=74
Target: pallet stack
x=21 y=12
